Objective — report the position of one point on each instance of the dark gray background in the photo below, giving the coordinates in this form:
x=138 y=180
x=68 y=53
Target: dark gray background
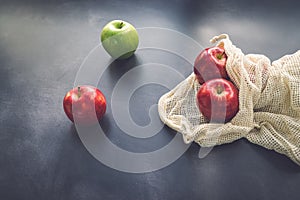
x=42 y=45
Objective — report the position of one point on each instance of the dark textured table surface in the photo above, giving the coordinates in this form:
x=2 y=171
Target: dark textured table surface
x=42 y=46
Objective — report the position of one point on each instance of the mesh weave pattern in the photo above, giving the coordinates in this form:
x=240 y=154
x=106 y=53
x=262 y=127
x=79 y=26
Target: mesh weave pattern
x=269 y=104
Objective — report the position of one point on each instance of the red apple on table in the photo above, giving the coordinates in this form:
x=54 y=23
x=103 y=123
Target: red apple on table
x=217 y=100
x=85 y=105
x=210 y=64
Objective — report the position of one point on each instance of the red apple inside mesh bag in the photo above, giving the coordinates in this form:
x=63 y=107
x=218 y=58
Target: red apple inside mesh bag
x=269 y=104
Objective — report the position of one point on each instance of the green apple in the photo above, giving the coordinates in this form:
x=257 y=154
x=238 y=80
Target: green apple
x=120 y=39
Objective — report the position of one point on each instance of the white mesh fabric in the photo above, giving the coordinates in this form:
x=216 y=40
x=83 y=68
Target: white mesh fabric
x=269 y=104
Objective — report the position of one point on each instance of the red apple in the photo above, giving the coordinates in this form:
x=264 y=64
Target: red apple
x=217 y=100
x=85 y=105
x=210 y=64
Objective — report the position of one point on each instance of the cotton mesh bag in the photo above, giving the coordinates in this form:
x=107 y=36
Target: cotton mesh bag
x=269 y=104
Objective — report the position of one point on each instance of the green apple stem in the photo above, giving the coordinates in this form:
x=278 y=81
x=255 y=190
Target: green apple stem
x=219 y=56
x=121 y=25
x=79 y=92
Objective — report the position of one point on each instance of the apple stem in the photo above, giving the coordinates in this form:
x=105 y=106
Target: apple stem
x=219 y=89
x=79 y=92
x=219 y=56
x=121 y=25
